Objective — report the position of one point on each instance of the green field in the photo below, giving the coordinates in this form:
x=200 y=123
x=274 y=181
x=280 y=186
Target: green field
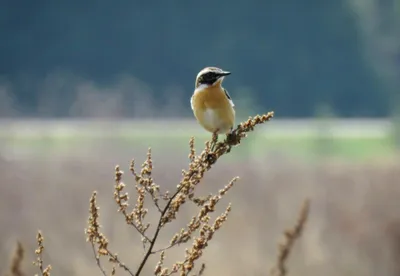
x=279 y=138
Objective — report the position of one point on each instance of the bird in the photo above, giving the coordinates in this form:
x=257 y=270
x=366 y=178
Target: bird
x=211 y=103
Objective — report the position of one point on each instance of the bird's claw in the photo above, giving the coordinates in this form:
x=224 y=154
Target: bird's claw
x=211 y=158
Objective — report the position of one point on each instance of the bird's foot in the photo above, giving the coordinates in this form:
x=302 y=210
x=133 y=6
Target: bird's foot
x=232 y=139
x=211 y=158
x=214 y=140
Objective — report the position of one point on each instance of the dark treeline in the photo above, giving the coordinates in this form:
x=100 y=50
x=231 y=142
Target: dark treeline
x=292 y=55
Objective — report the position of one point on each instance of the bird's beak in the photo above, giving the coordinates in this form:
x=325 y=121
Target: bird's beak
x=225 y=73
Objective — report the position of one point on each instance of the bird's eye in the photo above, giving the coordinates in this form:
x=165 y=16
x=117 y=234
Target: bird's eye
x=208 y=78
x=209 y=75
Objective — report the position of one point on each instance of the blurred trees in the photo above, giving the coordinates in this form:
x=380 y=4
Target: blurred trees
x=291 y=55
x=380 y=25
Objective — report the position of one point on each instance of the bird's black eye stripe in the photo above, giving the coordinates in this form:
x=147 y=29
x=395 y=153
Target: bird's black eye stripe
x=208 y=78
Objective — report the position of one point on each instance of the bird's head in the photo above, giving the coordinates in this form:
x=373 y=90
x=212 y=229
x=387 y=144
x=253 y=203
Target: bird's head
x=210 y=76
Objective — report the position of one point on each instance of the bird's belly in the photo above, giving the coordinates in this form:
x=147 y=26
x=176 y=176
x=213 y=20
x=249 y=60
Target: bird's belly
x=215 y=120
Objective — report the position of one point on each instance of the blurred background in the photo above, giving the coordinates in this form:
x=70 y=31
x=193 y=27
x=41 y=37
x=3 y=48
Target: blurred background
x=85 y=86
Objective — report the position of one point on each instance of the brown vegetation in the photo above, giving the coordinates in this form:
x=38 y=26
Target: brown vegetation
x=352 y=219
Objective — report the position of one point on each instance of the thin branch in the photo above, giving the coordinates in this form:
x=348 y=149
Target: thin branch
x=144 y=179
x=98 y=260
x=114 y=258
x=95 y=237
x=119 y=198
x=136 y=227
x=290 y=236
x=202 y=269
x=165 y=248
x=153 y=198
x=153 y=240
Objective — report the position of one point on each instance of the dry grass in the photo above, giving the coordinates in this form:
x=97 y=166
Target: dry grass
x=16 y=261
x=351 y=229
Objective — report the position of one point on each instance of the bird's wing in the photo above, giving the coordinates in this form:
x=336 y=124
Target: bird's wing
x=229 y=97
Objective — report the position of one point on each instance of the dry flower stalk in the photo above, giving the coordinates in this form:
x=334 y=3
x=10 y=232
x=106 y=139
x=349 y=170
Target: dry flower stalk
x=99 y=241
x=39 y=253
x=16 y=261
x=136 y=216
x=200 y=229
x=200 y=243
x=290 y=236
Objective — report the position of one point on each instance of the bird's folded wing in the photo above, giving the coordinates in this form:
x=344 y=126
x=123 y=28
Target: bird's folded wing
x=229 y=97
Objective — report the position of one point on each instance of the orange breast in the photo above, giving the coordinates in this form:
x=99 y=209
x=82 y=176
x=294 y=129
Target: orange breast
x=213 y=110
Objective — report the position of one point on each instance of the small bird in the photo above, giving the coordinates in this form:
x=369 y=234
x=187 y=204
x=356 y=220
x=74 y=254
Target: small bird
x=211 y=103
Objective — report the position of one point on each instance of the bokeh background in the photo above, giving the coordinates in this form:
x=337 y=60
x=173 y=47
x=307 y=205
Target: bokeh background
x=88 y=85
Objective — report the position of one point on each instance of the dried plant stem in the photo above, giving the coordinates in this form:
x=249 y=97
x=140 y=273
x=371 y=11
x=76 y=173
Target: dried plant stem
x=185 y=191
x=165 y=248
x=98 y=262
x=200 y=229
x=114 y=259
x=290 y=236
x=119 y=197
x=144 y=179
x=94 y=236
x=156 y=233
x=18 y=256
x=197 y=167
x=155 y=201
x=39 y=253
x=202 y=269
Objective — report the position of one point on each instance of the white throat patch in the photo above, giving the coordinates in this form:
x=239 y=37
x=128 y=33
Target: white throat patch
x=201 y=87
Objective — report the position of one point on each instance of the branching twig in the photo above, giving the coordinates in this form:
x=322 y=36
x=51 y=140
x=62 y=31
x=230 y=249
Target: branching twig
x=197 y=167
x=98 y=262
x=122 y=201
x=153 y=240
x=145 y=180
x=95 y=237
x=145 y=185
x=113 y=258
